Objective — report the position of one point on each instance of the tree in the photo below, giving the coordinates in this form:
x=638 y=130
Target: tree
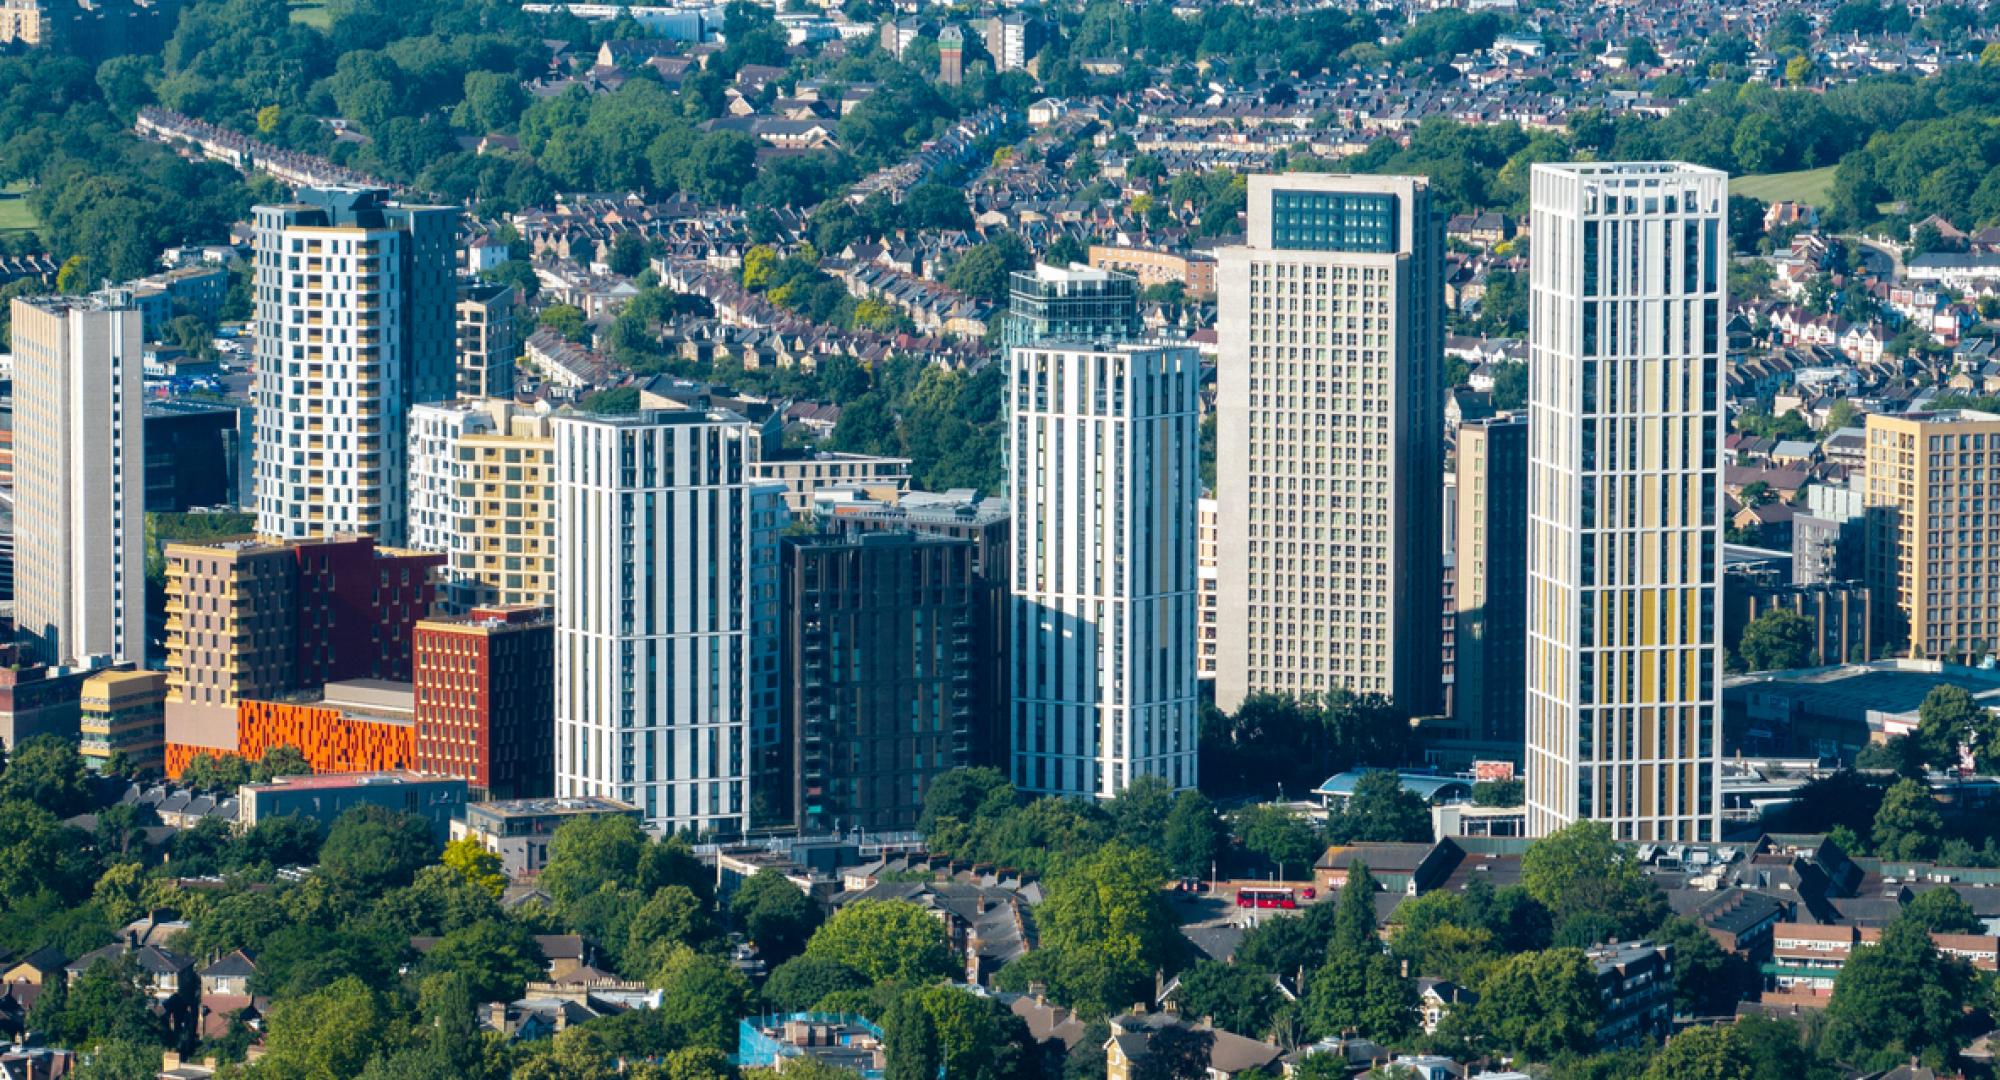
x=777 y=915
x=370 y=849
x=628 y=254
x=1700 y=1053
x=986 y=269
x=1194 y=836
x=1499 y=793
x=1510 y=386
x=1640 y=53
x=329 y=1034
x=1380 y=810
x=935 y=206
x=1241 y=998
x=1363 y=991
x=1109 y=902
x=119 y=1059
x=1279 y=835
x=1948 y=722
x=48 y=771
x=885 y=939
x=566 y=320
x=1539 y=1005
x=1942 y=911
x=469 y=859
x=802 y=982
x=1908 y=825
x=674 y=916
x=1896 y=998
x=1579 y=871
x=1798 y=69
x=1354 y=914
x=1178 y=1052
x=1708 y=981
x=701 y=997
x=495 y=957
x=909 y=1040
x=1778 y=639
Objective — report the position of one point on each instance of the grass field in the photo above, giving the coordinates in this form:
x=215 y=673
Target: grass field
x=311 y=13
x=15 y=214
x=1807 y=186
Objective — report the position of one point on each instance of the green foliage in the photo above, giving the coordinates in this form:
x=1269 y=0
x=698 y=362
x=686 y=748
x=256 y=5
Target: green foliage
x=1708 y=981
x=702 y=998
x=1380 y=811
x=776 y=914
x=985 y=269
x=46 y=770
x=329 y=1034
x=1280 y=836
x=883 y=940
x=1105 y=927
x=1942 y=911
x=1499 y=793
x=1897 y=998
x=469 y=859
x=1949 y=720
x=1907 y=826
x=1275 y=740
x=804 y=981
x=370 y=849
x=1193 y=838
x=947 y=422
x=103 y=1004
x=495 y=958
x=1580 y=873
x=1242 y=999
x=617 y=401
x=1778 y=639
x=1540 y=1005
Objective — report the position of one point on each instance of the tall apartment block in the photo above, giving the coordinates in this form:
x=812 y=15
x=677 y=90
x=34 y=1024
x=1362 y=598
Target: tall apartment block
x=1628 y=294
x=878 y=674
x=79 y=478
x=1930 y=480
x=485 y=700
x=488 y=344
x=251 y=619
x=1074 y=303
x=987 y=525
x=1491 y=564
x=1329 y=448
x=654 y=614
x=482 y=492
x=354 y=323
x=1103 y=481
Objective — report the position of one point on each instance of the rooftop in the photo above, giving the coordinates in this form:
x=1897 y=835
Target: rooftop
x=331 y=781
x=568 y=804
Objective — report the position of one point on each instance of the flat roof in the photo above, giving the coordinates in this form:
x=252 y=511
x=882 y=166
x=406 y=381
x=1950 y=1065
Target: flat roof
x=324 y=781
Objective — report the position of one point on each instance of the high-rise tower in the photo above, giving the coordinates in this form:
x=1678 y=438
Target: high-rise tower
x=354 y=324
x=1329 y=445
x=1627 y=300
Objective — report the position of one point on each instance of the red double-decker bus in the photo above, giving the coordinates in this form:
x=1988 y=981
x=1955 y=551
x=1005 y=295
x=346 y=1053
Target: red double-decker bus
x=1253 y=897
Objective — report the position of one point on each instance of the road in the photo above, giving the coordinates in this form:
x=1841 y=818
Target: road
x=1874 y=253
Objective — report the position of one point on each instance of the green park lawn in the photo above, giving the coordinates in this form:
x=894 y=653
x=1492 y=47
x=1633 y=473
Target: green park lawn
x=15 y=213
x=311 y=13
x=1807 y=186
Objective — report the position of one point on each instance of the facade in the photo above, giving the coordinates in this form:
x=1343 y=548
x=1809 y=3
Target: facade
x=1927 y=533
x=1329 y=442
x=488 y=344
x=988 y=526
x=951 y=56
x=354 y=323
x=1194 y=270
x=355 y=726
x=36 y=699
x=1491 y=636
x=1103 y=476
x=653 y=605
x=249 y=619
x=1635 y=991
x=192 y=450
x=79 y=478
x=1076 y=304
x=482 y=492
x=485 y=700
x=804 y=474
x=518 y=830
x=124 y=712
x=1627 y=303
x=878 y=674
x=1208 y=599
x=324 y=798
